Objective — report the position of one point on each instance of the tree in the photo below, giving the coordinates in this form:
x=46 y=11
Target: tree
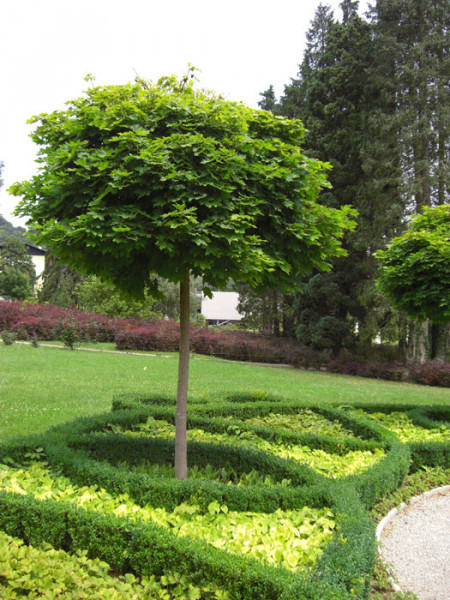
x=269 y=312
x=415 y=267
x=414 y=59
x=59 y=283
x=7 y=229
x=336 y=100
x=323 y=313
x=17 y=275
x=160 y=178
x=412 y=62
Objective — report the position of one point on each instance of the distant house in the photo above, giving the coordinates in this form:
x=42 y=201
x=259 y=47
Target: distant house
x=37 y=255
x=221 y=309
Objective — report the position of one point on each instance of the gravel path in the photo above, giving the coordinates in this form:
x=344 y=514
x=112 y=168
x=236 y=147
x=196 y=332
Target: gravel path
x=415 y=542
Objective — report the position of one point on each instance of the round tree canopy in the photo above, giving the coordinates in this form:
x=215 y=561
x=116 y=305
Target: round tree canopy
x=415 y=267
x=159 y=178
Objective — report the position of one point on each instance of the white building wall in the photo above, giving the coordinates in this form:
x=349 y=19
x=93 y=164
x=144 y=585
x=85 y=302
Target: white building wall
x=39 y=264
x=221 y=307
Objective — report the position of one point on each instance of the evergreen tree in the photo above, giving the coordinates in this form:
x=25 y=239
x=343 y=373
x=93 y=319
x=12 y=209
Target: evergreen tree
x=268 y=100
x=332 y=97
x=323 y=311
x=416 y=34
x=374 y=98
x=296 y=101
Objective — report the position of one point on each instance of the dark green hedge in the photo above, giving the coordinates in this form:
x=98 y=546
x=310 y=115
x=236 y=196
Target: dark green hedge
x=88 y=452
x=147 y=549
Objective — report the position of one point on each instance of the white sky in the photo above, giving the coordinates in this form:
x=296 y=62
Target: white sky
x=47 y=47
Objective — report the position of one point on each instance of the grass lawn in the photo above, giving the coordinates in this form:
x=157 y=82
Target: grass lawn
x=40 y=387
x=44 y=386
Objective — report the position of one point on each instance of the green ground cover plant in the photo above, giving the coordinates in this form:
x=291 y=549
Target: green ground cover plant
x=265 y=536
x=249 y=523
x=333 y=465
x=43 y=572
x=403 y=425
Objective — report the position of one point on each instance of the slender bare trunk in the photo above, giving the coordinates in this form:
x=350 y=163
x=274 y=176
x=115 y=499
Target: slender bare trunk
x=183 y=380
x=402 y=334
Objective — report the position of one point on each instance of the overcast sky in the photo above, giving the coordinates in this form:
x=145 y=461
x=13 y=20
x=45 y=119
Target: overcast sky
x=47 y=47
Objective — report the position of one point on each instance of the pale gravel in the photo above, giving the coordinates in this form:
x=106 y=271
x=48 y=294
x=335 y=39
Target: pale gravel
x=415 y=542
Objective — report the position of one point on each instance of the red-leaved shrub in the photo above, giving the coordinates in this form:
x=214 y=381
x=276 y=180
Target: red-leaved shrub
x=43 y=322
x=432 y=373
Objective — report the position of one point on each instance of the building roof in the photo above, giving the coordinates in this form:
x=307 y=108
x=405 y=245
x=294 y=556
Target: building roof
x=32 y=249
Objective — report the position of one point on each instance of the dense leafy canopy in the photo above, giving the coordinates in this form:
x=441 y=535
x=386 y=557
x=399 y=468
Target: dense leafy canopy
x=415 y=268
x=372 y=92
x=146 y=179
x=143 y=178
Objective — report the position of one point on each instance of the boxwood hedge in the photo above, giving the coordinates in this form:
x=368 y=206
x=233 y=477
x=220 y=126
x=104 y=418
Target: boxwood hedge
x=92 y=451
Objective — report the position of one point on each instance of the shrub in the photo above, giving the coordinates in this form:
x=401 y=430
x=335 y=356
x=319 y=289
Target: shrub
x=68 y=334
x=393 y=371
x=8 y=337
x=432 y=373
x=29 y=327
x=33 y=321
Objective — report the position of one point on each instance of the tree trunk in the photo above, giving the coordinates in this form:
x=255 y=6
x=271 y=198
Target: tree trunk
x=402 y=334
x=275 y=314
x=439 y=341
x=422 y=342
x=183 y=379
x=418 y=342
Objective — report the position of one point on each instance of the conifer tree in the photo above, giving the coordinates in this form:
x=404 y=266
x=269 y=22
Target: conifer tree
x=333 y=99
x=415 y=32
x=413 y=63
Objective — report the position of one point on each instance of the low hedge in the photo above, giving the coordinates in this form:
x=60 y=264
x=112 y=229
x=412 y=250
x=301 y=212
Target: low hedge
x=147 y=549
x=43 y=572
x=371 y=485
x=89 y=449
x=83 y=460
x=144 y=549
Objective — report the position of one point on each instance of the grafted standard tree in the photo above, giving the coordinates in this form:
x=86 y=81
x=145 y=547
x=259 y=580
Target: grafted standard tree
x=415 y=267
x=145 y=179
x=415 y=275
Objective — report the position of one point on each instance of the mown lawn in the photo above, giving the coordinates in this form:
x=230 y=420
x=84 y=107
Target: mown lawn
x=44 y=386
x=40 y=387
